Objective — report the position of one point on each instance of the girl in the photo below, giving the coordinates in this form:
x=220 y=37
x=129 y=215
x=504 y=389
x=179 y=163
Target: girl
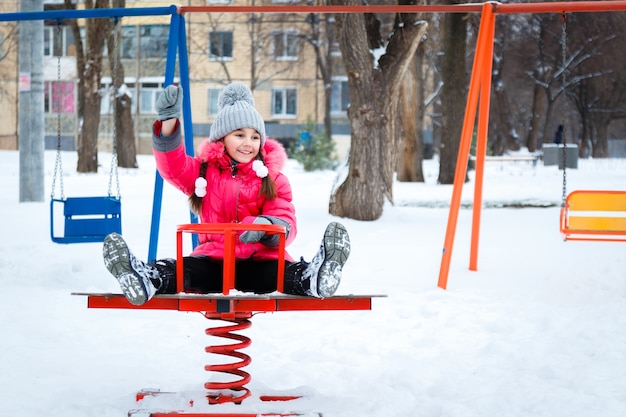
x=234 y=178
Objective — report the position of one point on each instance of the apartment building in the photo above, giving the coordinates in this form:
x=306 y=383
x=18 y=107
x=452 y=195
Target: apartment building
x=268 y=52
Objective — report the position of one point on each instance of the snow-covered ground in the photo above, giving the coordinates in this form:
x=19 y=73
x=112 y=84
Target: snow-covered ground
x=539 y=330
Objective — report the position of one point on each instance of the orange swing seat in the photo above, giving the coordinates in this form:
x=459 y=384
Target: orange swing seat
x=598 y=215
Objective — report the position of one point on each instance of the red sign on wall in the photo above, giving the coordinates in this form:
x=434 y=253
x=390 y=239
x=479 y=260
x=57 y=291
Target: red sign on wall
x=24 y=81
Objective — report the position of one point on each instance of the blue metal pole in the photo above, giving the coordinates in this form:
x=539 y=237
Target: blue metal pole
x=170 y=69
x=183 y=61
x=87 y=13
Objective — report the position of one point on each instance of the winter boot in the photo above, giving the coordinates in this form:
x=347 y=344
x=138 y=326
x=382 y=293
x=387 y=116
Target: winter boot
x=135 y=277
x=295 y=284
x=166 y=281
x=324 y=271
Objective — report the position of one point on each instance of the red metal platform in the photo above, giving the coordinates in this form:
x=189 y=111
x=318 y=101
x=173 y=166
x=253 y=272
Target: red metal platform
x=225 y=304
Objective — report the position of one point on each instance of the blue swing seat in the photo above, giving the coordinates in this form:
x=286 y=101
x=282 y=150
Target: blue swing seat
x=87 y=219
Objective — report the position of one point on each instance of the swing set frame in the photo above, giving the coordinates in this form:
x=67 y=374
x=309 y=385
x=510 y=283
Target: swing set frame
x=477 y=108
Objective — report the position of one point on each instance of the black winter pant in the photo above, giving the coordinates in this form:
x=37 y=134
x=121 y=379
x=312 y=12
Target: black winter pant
x=204 y=275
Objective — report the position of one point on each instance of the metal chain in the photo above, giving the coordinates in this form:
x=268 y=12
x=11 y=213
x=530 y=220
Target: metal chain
x=58 y=166
x=114 y=91
x=564 y=81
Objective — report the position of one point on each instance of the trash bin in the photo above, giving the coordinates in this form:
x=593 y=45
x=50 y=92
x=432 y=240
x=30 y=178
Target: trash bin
x=553 y=155
x=549 y=154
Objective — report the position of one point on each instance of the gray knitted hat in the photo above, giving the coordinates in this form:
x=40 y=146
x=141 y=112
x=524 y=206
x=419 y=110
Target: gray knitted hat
x=236 y=110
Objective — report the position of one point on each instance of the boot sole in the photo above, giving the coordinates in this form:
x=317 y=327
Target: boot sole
x=336 y=249
x=117 y=259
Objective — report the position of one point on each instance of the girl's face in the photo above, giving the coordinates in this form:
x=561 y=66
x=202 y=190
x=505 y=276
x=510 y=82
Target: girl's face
x=243 y=144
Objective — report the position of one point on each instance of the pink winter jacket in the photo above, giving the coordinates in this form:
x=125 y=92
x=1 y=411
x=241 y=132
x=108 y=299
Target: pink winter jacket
x=233 y=191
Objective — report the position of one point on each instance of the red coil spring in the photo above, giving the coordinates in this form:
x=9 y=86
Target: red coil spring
x=241 y=322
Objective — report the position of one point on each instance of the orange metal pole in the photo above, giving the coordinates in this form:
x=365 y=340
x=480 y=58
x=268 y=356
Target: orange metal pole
x=229 y=261
x=466 y=141
x=180 y=280
x=280 y=275
x=481 y=140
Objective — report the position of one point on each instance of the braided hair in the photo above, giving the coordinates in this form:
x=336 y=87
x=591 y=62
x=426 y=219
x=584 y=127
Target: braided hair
x=195 y=202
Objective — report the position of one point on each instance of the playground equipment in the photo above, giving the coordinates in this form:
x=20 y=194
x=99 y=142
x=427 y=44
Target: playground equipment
x=234 y=309
x=85 y=219
x=594 y=215
x=480 y=86
x=598 y=215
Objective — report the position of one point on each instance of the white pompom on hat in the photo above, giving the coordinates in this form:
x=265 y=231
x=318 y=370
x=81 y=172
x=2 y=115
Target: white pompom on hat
x=236 y=111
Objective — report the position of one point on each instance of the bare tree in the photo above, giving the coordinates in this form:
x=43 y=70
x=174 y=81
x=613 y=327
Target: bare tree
x=124 y=134
x=503 y=134
x=418 y=83
x=454 y=78
x=89 y=65
x=8 y=47
x=600 y=93
x=322 y=38
x=374 y=83
x=408 y=127
x=555 y=76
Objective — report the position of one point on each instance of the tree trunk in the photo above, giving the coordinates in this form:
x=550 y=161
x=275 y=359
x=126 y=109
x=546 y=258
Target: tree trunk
x=374 y=88
x=361 y=195
x=88 y=133
x=421 y=112
x=547 y=133
x=454 y=89
x=125 y=137
x=327 y=69
x=534 y=142
x=407 y=171
x=600 y=145
x=96 y=30
x=124 y=133
x=584 y=151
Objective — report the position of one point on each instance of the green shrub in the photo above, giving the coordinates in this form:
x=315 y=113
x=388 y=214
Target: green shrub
x=313 y=149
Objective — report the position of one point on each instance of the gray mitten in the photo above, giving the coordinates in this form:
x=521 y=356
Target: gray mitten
x=168 y=102
x=268 y=240
x=253 y=236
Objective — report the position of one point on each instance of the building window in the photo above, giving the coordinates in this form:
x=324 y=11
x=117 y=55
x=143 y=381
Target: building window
x=148 y=93
x=154 y=40
x=128 y=45
x=213 y=107
x=148 y=41
x=58 y=41
x=284 y=102
x=59 y=97
x=220 y=45
x=285 y=45
x=339 y=96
